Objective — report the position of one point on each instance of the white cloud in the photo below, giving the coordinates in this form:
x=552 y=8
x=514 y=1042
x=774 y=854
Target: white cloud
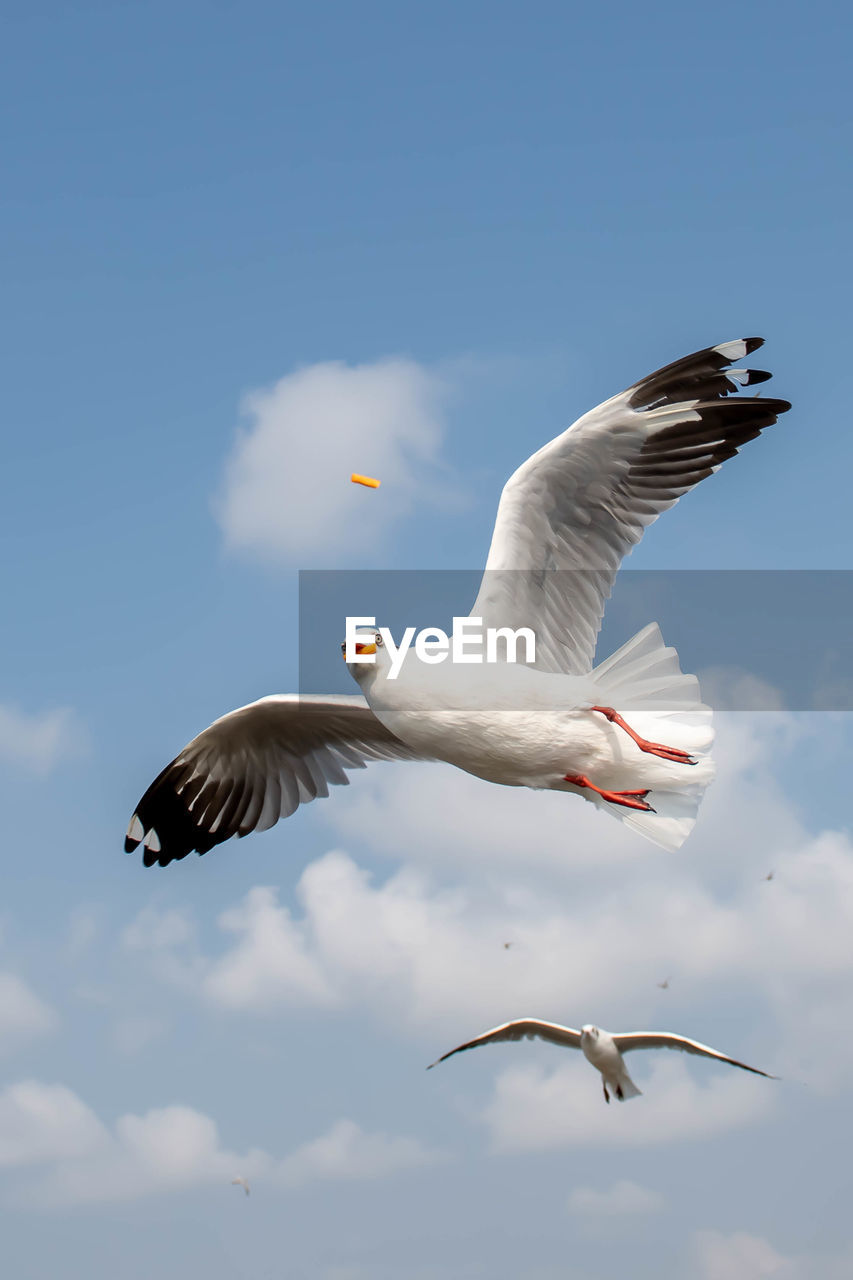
x=622 y=1198
x=45 y=1122
x=39 y=740
x=744 y=1256
x=346 y=1151
x=169 y=942
x=168 y=1149
x=269 y=963
x=287 y=492
x=22 y=1013
x=536 y=1109
x=739 y=1257
x=154 y=930
x=397 y=948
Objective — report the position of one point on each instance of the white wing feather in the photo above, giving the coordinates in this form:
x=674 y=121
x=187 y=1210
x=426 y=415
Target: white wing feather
x=253 y=766
x=521 y=1029
x=667 y=1040
x=572 y=511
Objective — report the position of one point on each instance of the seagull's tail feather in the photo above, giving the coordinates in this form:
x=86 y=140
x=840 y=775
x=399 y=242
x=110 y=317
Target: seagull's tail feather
x=673 y=819
x=645 y=675
x=626 y=1088
x=644 y=682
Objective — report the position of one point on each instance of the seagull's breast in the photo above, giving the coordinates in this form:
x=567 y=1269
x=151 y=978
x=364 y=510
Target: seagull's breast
x=601 y=1052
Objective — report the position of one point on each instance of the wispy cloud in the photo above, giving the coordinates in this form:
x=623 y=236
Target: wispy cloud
x=744 y=1256
x=623 y=1198
x=37 y=740
x=23 y=1014
x=348 y=1152
x=740 y=1256
x=133 y=1033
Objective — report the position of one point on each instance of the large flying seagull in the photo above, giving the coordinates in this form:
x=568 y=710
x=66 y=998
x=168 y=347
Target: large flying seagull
x=631 y=735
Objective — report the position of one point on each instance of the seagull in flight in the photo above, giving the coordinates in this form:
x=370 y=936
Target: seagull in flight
x=600 y=1048
x=240 y=1182
x=630 y=735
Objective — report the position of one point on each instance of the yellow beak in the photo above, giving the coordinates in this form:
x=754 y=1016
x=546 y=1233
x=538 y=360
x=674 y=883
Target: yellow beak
x=365 y=648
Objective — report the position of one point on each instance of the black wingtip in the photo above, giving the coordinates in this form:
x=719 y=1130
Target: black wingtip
x=752 y=344
x=130 y=845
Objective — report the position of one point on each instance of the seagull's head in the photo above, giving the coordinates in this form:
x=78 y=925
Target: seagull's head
x=589 y=1032
x=370 y=655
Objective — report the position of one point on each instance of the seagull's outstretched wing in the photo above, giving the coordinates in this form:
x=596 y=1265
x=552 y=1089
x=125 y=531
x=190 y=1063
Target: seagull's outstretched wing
x=522 y=1029
x=666 y=1040
x=583 y=501
x=254 y=766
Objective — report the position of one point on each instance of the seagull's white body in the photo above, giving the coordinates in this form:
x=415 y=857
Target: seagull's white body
x=631 y=727
x=521 y=727
x=600 y=1048
x=508 y=724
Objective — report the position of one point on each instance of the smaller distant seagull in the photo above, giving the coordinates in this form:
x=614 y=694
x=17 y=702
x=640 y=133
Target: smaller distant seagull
x=507 y=946
x=664 y=986
x=240 y=1182
x=769 y=875
x=600 y=1048
x=367 y=481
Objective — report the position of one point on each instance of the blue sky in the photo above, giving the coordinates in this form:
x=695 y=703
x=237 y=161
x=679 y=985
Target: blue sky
x=246 y=251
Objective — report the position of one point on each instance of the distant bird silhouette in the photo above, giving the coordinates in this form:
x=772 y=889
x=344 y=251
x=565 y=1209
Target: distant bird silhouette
x=769 y=875
x=664 y=986
x=507 y=946
x=240 y=1182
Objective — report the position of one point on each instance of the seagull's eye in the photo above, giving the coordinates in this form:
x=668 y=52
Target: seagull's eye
x=378 y=640
x=344 y=647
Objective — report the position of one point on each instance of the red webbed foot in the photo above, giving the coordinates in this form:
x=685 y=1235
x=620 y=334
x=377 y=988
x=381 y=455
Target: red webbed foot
x=674 y=754
x=627 y=799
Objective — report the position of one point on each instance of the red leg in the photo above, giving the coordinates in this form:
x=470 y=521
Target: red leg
x=653 y=748
x=628 y=799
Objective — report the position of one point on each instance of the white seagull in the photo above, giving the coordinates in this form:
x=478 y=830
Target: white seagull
x=566 y=520
x=600 y=1048
x=240 y=1182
